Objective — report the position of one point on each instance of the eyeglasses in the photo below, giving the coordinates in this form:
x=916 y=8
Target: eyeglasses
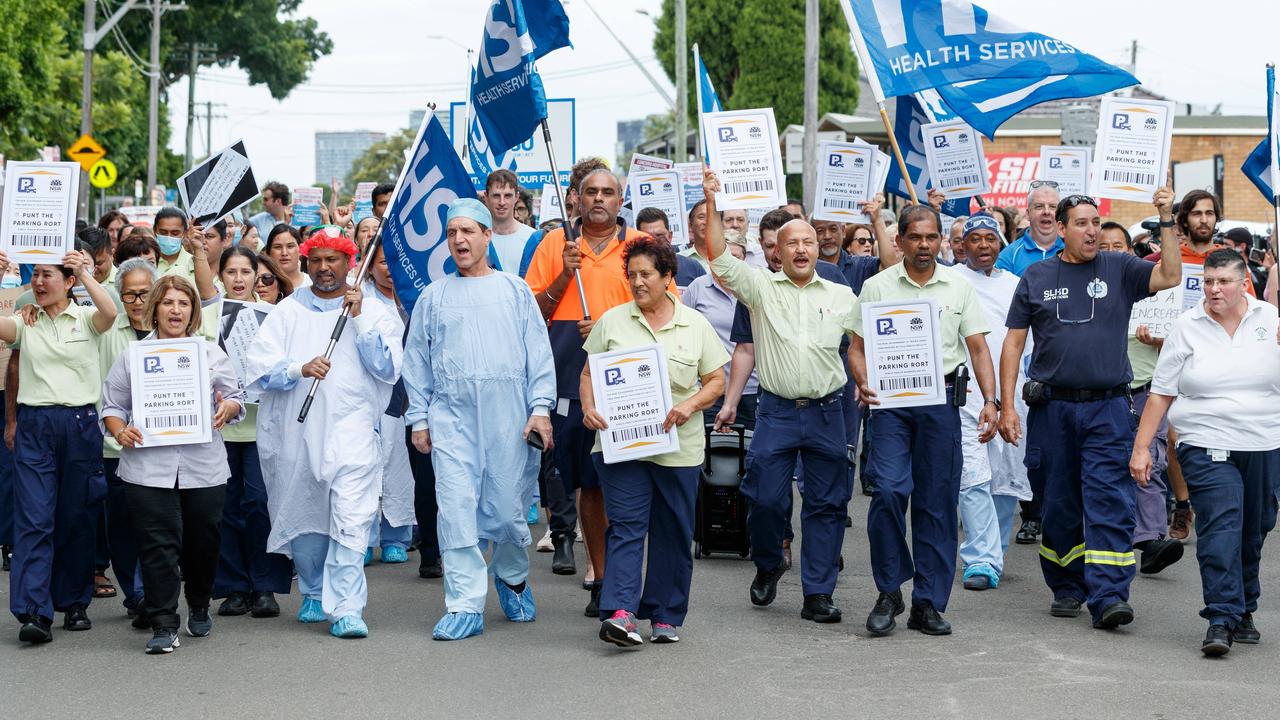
x=1057 y=305
x=1218 y=282
x=1044 y=183
x=133 y=297
x=267 y=279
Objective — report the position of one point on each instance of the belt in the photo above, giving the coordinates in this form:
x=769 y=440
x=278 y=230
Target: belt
x=950 y=378
x=801 y=403
x=1085 y=395
x=1141 y=388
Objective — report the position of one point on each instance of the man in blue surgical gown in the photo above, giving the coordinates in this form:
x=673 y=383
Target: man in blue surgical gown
x=480 y=378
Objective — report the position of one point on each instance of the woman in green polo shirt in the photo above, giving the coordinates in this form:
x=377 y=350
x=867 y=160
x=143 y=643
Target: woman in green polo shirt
x=653 y=496
x=58 y=487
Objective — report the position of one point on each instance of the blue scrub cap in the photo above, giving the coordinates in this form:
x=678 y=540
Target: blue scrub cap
x=470 y=208
x=982 y=222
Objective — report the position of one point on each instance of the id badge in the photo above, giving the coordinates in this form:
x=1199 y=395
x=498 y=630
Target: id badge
x=1219 y=455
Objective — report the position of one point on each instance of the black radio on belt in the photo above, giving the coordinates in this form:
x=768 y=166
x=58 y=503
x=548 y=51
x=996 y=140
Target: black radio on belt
x=1035 y=393
x=960 y=387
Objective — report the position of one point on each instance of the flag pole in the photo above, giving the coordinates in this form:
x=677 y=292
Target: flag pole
x=1275 y=161
x=466 y=113
x=897 y=154
x=564 y=209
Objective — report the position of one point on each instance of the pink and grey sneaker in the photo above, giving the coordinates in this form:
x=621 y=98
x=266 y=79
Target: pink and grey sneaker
x=621 y=630
x=663 y=633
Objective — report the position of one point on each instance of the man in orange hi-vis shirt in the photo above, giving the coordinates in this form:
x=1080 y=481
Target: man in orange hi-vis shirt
x=596 y=253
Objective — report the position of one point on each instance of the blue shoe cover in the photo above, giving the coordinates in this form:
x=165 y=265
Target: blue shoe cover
x=368 y=557
x=351 y=626
x=532 y=517
x=518 y=608
x=457 y=626
x=394 y=554
x=311 y=611
x=983 y=569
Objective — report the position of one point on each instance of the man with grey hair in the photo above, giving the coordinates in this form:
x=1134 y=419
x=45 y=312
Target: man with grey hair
x=1041 y=240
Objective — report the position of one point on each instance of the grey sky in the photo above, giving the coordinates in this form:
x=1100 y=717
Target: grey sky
x=384 y=65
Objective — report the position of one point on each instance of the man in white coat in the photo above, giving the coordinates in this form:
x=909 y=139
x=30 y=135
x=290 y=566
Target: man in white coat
x=481 y=384
x=994 y=478
x=323 y=476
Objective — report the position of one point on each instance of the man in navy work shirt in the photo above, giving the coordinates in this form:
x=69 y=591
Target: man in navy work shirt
x=1080 y=425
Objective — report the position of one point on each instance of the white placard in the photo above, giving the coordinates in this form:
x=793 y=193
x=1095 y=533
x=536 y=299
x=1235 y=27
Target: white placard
x=845 y=174
x=171 y=396
x=691 y=178
x=880 y=175
x=549 y=208
x=1066 y=165
x=1192 y=285
x=1133 y=148
x=664 y=190
x=39 y=216
x=238 y=326
x=633 y=395
x=218 y=186
x=1160 y=310
x=306 y=206
x=904 y=352
x=639 y=163
x=743 y=150
x=957 y=164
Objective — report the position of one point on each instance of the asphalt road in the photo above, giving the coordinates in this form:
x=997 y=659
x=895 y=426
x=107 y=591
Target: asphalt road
x=1007 y=658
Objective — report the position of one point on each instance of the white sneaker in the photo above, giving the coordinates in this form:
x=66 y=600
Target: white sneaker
x=577 y=530
x=545 y=545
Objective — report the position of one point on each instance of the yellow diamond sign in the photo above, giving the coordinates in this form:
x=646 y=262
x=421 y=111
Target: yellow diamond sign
x=86 y=151
x=103 y=174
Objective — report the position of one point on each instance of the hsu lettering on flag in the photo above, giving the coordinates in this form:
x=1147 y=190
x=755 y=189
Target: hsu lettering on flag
x=506 y=92
x=986 y=68
x=413 y=232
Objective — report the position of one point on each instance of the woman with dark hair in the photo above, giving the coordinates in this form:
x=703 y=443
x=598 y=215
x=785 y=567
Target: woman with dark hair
x=138 y=243
x=58 y=485
x=283 y=245
x=858 y=239
x=174 y=492
x=248 y=576
x=114 y=222
x=271 y=284
x=654 y=496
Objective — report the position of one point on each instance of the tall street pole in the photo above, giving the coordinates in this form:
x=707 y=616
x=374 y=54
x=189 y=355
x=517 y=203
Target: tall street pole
x=86 y=94
x=810 y=170
x=153 y=115
x=191 y=101
x=682 y=85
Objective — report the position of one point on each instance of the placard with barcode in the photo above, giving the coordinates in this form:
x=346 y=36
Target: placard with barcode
x=172 y=401
x=633 y=395
x=904 y=352
x=845 y=175
x=39 y=215
x=1132 y=155
x=743 y=150
x=957 y=163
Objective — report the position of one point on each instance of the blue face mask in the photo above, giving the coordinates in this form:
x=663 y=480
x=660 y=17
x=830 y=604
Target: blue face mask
x=169 y=245
x=10 y=281
x=235 y=237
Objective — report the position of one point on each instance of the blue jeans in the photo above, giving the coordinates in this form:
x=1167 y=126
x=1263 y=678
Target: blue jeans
x=1235 y=504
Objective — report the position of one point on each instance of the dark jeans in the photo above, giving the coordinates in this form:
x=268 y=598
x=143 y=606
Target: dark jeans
x=424 y=501
x=123 y=554
x=556 y=499
x=244 y=565
x=176 y=527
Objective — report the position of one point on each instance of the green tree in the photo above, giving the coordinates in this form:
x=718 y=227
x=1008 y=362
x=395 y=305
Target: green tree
x=754 y=52
x=381 y=163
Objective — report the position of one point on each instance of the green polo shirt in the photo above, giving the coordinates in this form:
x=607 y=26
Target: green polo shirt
x=184 y=265
x=692 y=252
x=693 y=350
x=59 y=361
x=1142 y=358
x=957 y=302
x=797 y=329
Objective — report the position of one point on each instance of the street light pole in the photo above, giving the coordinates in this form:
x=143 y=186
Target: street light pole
x=809 y=173
x=682 y=84
x=662 y=92
x=153 y=113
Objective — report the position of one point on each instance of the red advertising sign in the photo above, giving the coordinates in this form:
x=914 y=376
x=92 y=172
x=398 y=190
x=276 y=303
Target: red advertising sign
x=1011 y=175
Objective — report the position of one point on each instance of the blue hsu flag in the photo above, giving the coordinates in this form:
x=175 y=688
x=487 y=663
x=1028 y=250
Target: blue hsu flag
x=913 y=112
x=482 y=157
x=413 y=231
x=986 y=68
x=708 y=100
x=506 y=91
x=1262 y=166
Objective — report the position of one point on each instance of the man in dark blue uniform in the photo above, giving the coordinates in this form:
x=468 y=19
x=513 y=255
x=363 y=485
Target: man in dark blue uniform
x=1080 y=426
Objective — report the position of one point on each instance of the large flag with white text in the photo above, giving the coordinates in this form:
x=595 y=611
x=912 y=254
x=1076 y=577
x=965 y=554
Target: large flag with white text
x=914 y=111
x=413 y=232
x=1263 y=164
x=986 y=68
x=506 y=91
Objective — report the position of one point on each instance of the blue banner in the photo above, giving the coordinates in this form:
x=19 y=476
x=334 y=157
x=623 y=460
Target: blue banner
x=708 y=100
x=986 y=68
x=911 y=114
x=1260 y=166
x=506 y=91
x=413 y=231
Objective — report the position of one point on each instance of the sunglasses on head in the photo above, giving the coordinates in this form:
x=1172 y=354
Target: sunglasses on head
x=1044 y=183
x=1072 y=201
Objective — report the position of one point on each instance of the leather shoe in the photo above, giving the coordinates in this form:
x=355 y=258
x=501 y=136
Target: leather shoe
x=1246 y=633
x=926 y=619
x=820 y=609
x=888 y=606
x=1114 y=615
x=765 y=587
x=36 y=630
x=1029 y=533
x=1217 y=641
x=76 y=619
x=562 y=562
x=593 y=605
x=1066 y=607
x=1158 y=555
x=265 y=605
x=430 y=570
x=868 y=487
x=6 y=557
x=237 y=603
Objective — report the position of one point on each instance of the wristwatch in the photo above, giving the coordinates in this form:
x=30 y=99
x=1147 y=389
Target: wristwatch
x=1167 y=223
x=995 y=402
